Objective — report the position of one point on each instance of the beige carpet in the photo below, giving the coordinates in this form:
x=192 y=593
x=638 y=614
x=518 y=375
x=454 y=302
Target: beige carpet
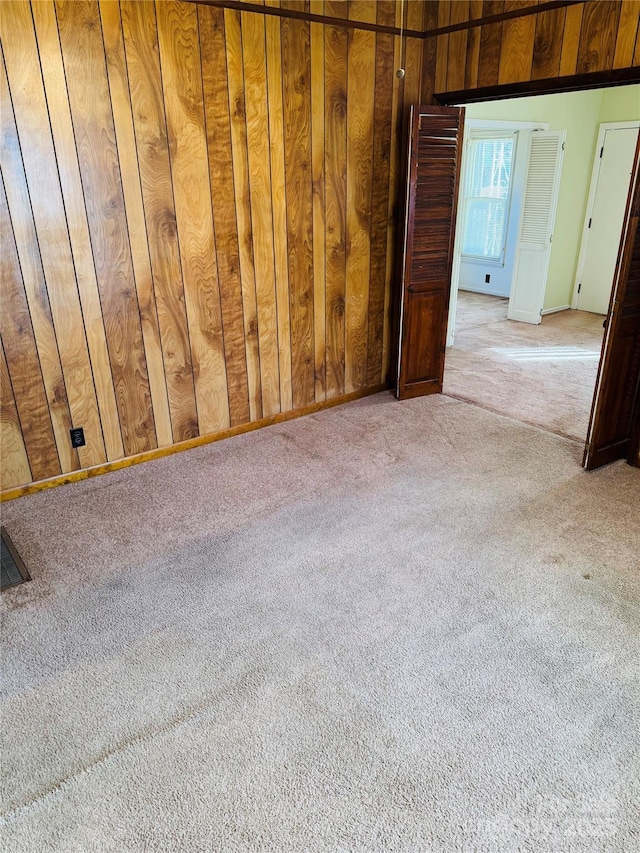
x=386 y=627
x=542 y=375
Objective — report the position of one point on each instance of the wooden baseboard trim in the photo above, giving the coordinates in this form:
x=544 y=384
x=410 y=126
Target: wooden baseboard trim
x=158 y=453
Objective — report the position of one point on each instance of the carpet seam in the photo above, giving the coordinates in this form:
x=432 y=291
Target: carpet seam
x=176 y=721
x=477 y=405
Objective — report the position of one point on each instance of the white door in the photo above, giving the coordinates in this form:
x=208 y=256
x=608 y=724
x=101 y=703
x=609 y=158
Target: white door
x=536 y=226
x=605 y=220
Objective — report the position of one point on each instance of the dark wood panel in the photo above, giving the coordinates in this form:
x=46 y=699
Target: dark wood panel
x=143 y=64
x=47 y=205
x=335 y=200
x=379 y=206
x=597 y=37
x=83 y=54
x=490 y=46
x=547 y=46
x=15 y=466
x=127 y=155
x=516 y=51
x=182 y=86
x=296 y=62
x=33 y=280
x=22 y=357
x=216 y=98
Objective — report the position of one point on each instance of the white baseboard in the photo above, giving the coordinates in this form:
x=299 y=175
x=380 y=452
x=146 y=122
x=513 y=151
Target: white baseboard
x=554 y=310
x=484 y=292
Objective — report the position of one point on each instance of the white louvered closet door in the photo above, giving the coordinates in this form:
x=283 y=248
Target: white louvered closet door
x=536 y=225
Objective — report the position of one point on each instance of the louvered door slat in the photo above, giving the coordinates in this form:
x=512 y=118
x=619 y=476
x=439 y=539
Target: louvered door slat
x=433 y=173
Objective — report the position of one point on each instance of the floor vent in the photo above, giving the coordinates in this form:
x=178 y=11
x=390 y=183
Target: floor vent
x=13 y=569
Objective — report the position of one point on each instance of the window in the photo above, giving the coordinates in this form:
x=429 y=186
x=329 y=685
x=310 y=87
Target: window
x=487 y=194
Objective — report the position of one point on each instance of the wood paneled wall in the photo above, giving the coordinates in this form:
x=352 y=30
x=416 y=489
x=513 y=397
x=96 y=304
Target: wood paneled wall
x=197 y=218
x=555 y=42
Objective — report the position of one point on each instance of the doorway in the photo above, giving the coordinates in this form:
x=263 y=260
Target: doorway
x=541 y=374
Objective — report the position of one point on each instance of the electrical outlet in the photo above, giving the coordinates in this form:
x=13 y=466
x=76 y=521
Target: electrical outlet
x=487 y=278
x=77 y=437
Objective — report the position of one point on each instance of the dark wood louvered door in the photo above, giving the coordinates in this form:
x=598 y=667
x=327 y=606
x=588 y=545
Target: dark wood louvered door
x=433 y=173
x=615 y=416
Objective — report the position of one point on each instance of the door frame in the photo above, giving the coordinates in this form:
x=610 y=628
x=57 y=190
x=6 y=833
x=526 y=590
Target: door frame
x=482 y=125
x=591 y=198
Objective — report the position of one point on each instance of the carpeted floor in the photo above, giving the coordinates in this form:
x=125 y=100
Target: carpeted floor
x=543 y=375
x=385 y=627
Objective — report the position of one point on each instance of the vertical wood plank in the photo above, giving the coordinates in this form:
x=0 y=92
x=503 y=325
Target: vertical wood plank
x=235 y=77
x=256 y=102
x=516 y=50
x=35 y=288
x=392 y=212
x=22 y=357
x=383 y=101
x=55 y=86
x=83 y=57
x=296 y=63
x=597 y=37
x=473 y=47
x=182 y=85
x=627 y=34
x=317 y=170
x=457 y=47
x=32 y=120
x=14 y=467
x=571 y=40
x=547 y=48
x=279 y=206
x=360 y=106
x=128 y=155
x=216 y=99
x=442 y=56
x=335 y=196
x=145 y=88
x=490 y=45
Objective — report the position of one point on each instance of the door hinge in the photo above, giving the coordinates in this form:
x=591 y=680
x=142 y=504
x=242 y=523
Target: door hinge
x=579 y=287
x=589 y=225
x=563 y=144
x=601 y=150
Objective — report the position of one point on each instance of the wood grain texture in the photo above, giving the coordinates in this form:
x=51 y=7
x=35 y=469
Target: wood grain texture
x=15 y=466
x=571 y=40
x=33 y=279
x=255 y=168
x=279 y=207
x=256 y=105
x=516 y=50
x=53 y=76
x=235 y=74
x=627 y=33
x=316 y=32
x=128 y=156
x=457 y=46
x=360 y=109
x=547 y=44
x=182 y=84
x=382 y=136
x=40 y=165
x=83 y=55
x=216 y=99
x=145 y=87
x=336 y=47
x=598 y=36
x=22 y=357
x=296 y=68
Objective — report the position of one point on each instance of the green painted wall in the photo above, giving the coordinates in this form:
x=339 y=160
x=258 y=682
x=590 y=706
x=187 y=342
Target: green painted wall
x=580 y=114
